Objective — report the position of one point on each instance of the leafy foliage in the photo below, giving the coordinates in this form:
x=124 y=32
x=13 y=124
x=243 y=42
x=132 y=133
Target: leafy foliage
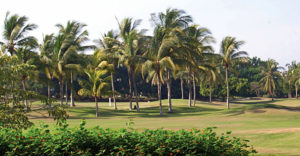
x=40 y=140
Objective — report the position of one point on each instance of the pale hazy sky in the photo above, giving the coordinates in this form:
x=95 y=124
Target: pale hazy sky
x=271 y=28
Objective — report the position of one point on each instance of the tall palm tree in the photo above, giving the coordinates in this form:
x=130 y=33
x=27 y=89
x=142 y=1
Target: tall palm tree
x=270 y=76
x=26 y=56
x=158 y=58
x=230 y=55
x=196 y=43
x=108 y=55
x=15 y=29
x=172 y=19
x=132 y=53
x=47 y=51
x=95 y=86
x=69 y=41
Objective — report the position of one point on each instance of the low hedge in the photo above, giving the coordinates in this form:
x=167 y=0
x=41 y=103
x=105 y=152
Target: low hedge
x=39 y=140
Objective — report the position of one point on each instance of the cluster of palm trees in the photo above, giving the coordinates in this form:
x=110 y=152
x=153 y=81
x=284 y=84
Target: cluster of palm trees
x=178 y=48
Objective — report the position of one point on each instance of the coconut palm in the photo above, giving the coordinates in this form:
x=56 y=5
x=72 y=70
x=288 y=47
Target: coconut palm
x=26 y=55
x=47 y=51
x=14 y=34
x=96 y=85
x=158 y=58
x=270 y=76
x=131 y=53
x=169 y=21
x=108 y=55
x=290 y=76
x=231 y=56
x=196 y=43
x=69 y=41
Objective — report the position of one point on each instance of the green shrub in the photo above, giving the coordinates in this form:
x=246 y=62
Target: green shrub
x=98 y=141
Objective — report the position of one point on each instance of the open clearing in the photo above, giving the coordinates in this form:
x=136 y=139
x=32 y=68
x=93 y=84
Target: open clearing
x=272 y=127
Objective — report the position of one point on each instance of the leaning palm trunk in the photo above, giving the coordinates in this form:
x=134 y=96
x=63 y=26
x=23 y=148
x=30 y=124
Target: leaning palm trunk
x=190 y=89
x=66 y=93
x=113 y=90
x=135 y=92
x=24 y=89
x=61 y=91
x=194 y=88
x=170 y=109
x=181 y=83
x=227 y=86
x=71 y=92
x=159 y=95
x=130 y=90
x=96 y=102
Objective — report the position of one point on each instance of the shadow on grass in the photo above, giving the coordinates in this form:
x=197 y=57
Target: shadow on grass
x=257 y=106
x=179 y=111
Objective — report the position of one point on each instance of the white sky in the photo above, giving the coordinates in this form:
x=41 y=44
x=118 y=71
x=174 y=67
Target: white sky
x=271 y=28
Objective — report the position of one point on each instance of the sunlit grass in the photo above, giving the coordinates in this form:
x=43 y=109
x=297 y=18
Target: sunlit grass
x=272 y=127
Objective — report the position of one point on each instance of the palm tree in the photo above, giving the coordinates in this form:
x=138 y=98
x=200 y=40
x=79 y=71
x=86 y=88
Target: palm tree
x=95 y=86
x=170 y=21
x=108 y=54
x=158 y=58
x=69 y=41
x=27 y=57
x=196 y=43
x=47 y=51
x=212 y=75
x=132 y=53
x=15 y=29
x=270 y=76
x=290 y=75
x=230 y=55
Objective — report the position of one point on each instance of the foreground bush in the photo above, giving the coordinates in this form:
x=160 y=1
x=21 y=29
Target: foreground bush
x=98 y=141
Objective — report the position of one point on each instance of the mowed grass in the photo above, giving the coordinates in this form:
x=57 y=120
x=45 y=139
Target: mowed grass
x=272 y=127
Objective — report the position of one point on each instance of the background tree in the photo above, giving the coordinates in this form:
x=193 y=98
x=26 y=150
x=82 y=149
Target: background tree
x=14 y=34
x=108 y=55
x=230 y=55
x=271 y=75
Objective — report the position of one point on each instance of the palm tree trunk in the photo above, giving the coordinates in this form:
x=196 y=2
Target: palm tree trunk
x=49 y=90
x=181 y=82
x=66 y=93
x=289 y=90
x=159 y=95
x=96 y=102
x=61 y=91
x=24 y=89
x=113 y=90
x=272 y=92
x=210 y=90
x=194 y=88
x=130 y=90
x=170 y=109
x=71 y=92
x=190 y=89
x=135 y=92
x=296 y=88
x=227 y=85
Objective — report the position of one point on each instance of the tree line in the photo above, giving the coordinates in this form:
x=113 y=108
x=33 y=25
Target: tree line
x=176 y=61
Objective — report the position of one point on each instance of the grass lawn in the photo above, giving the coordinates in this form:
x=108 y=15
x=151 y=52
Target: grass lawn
x=272 y=127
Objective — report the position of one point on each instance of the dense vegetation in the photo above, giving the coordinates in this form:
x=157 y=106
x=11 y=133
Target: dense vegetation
x=98 y=141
